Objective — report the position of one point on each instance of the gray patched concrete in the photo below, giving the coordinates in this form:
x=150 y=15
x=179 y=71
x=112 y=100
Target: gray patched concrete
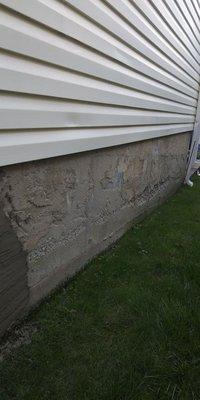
x=67 y=209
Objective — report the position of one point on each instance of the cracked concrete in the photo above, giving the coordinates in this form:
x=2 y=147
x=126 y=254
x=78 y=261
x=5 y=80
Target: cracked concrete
x=67 y=209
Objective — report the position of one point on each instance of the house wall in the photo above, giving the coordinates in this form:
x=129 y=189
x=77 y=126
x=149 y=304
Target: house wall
x=65 y=210
x=78 y=75
x=110 y=86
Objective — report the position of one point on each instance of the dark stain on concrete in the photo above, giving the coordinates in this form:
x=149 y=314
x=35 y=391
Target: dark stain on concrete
x=13 y=276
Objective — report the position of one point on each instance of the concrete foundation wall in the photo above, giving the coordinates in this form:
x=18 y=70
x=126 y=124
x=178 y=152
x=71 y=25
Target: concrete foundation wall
x=65 y=210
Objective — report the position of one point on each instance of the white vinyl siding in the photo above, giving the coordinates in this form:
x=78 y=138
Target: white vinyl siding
x=78 y=75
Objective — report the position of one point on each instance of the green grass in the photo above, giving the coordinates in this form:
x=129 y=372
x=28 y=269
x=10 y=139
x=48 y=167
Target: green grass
x=128 y=326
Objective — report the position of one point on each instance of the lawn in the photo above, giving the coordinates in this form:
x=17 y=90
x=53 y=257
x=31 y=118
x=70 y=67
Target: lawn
x=125 y=328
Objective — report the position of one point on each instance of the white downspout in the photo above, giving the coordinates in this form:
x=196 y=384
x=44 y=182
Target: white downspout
x=193 y=164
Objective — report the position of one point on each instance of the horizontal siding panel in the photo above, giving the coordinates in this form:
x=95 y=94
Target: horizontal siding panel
x=193 y=13
x=76 y=26
x=18 y=119
x=184 y=10
x=18 y=81
x=168 y=40
x=177 y=32
x=135 y=19
x=25 y=146
x=194 y=37
x=22 y=112
x=81 y=75
x=195 y=6
x=66 y=54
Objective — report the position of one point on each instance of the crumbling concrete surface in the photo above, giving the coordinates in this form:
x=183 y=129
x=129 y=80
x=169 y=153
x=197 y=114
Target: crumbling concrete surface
x=67 y=209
